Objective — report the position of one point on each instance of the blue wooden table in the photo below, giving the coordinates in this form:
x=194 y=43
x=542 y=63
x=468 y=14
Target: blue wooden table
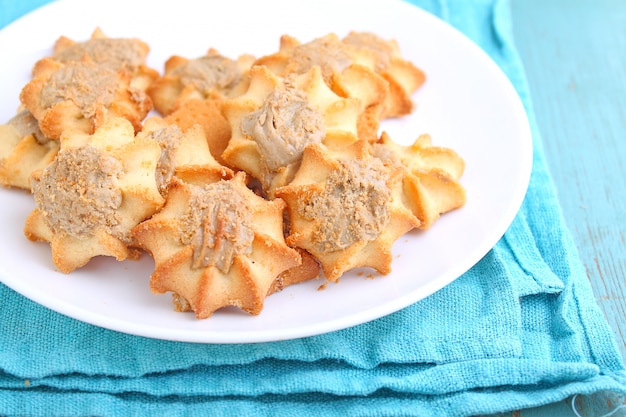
x=574 y=53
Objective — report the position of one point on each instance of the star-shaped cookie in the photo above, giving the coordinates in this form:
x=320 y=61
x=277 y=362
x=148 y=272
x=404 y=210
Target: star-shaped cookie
x=211 y=76
x=217 y=245
x=79 y=96
x=432 y=176
x=23 y=150
x=277 y=118
x=95 y=191
x=347 y=209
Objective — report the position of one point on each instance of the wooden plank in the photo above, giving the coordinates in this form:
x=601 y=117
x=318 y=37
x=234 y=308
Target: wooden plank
x=574 y=52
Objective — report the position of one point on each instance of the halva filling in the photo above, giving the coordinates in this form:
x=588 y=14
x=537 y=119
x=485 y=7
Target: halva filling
x=386 y=154
x=212 y=72
x=168 y=139
x=383 y=49
x=87 y=85
x=78 y=193
x=353 y=206
x=25 y=124
x=217 y=226
x=113 y=53
x=331 y=56
x=283 y=127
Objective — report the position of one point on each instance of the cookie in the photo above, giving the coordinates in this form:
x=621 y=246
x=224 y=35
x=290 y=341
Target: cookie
x=216 y=245
x=95 y=191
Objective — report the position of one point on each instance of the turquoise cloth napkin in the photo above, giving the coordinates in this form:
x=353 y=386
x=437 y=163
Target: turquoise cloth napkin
x=520 y=329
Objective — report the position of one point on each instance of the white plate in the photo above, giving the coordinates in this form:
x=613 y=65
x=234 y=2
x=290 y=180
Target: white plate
x=466 y=104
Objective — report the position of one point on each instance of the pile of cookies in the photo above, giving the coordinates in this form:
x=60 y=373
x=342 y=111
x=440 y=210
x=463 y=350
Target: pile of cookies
x=239 y=176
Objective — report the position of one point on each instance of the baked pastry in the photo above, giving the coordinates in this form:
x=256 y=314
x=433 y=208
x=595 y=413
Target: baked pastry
x=184 y=154
x=308 y=269
x=208 y=114
x=346 y=69
x=116 y=54
x=23 y=150
x=432 y=181
x=216 y=245
x=210 y=76
x=361 y=65
x=95 y=191
x=80 y=96
x=277 y=118
x=22 y=153
x=347 y=209
x=403 y=77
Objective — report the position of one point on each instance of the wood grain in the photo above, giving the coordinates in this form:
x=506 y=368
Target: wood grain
x=574 y=53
